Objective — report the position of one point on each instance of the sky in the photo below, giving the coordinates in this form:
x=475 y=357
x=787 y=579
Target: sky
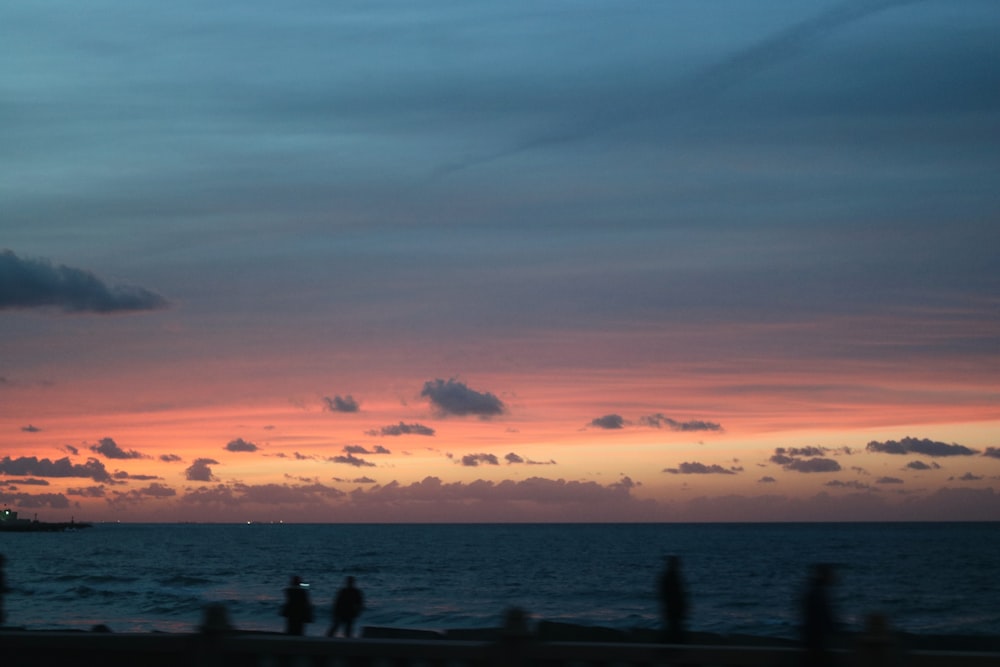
x=690 y=260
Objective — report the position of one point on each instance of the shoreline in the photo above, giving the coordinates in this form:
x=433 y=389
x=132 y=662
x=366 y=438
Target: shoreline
x=560 y=632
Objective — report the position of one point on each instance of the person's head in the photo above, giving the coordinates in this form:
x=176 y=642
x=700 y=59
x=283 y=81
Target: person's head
x=296 y=581
x=350 y=582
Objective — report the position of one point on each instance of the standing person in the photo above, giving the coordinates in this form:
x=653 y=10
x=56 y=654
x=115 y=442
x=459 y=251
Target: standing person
x=346 y=608
x=3 y=589
x=673 y=602
x=819 y=623
x=297 y=609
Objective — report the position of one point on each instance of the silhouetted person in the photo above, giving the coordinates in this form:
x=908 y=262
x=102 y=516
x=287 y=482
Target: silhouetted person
x=347 y=607
x=818 y=621
x=297 y=609
x=673 y=602
x=3 y=589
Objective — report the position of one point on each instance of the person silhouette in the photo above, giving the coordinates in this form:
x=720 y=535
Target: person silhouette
x=297 y=609
x=347 y=607
x=673 y=601
x=3 y=589
x=819 y=623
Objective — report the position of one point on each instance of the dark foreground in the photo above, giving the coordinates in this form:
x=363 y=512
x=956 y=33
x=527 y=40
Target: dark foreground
x=551 y=645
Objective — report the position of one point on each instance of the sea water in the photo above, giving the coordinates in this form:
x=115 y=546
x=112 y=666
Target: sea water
x=933 y=578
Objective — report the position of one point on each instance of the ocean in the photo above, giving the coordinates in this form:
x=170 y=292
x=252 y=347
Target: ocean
x=931 y=578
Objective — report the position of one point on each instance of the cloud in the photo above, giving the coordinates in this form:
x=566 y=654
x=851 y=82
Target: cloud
x=609 y=422
x=852 y=484
x=35 y=500
x=36 y=283
x=917 y=446
x=473 y=460
x=199 y=471
x=513 y=458
x=993 y=452
x=788 y=458
x=341 y=403
x=536 y=489
x=108 y=448
x=136 y=496
x=121 y=474
x=268 y=495
x=888 y=480
x=30 y=429
x=356 y=480
x=351 y=460
x=695 y=468
x=240 y=445
x=29 y=481
x=920 y=465
x=402 y=429
x=170 y=458
x=766 y=479
x=659 y=420
x=361 y=449
x=29 y=465
x=455 y=398
x=967 y=477
x=72 y=450
x=813 y=465
x=86 y=491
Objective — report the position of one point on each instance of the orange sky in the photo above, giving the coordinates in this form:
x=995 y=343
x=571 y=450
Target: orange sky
x=491 y=263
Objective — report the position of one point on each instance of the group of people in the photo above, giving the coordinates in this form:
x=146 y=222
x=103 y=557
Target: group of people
x=298 y=608
x=819 y=623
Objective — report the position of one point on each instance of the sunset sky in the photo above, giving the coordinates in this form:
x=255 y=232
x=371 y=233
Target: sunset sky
x=690 y=260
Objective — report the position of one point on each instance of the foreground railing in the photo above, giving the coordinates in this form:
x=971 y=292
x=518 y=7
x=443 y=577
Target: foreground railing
x=70 y=649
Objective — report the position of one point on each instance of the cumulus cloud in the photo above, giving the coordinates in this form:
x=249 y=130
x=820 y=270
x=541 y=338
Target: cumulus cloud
x=888 y=480
x=455 y=398
x=920 y=465
x=136 y=496
x=240 y=445
x=513 y=458
x=121 y=474
x=993 y=452
x=609 y=422
x=967 y=477
x=108 y=448
x=659 y=420
x=71 y=449
x=355 y=480
x=169 y=458
x=472 y=460
x=29 y=465
x=199 y=471
x=789 y=459
x=695 y=468
x=766 y=479
x=361 y=449
x=37 y=283
x=269 y=495
x=402 y=429
x=341 y=404
x=919 y=446
x=30 y=428
x=35 y=500
x=351 y=460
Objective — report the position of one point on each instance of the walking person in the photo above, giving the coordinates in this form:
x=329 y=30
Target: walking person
x=347 y=607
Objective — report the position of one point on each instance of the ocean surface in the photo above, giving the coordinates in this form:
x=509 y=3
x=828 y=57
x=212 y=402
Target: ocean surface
x=934 y=578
